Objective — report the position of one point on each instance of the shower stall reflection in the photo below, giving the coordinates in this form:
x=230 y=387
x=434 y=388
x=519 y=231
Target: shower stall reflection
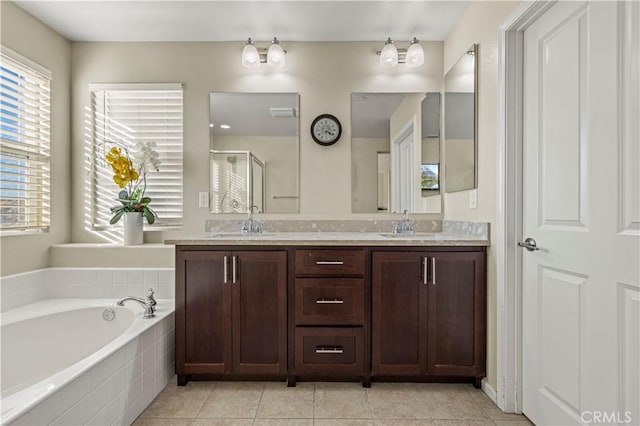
x=237 y=182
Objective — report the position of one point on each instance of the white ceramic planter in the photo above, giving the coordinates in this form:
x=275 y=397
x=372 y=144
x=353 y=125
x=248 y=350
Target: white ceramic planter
x=133 y=228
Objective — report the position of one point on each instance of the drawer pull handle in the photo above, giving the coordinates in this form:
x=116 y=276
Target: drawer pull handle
x=329 y=350
x=329 y=301
x=329 y=262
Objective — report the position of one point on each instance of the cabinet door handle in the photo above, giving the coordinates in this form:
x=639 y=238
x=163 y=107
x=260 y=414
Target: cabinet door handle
x=225 y=272
x=425 y=274
x=329 y=301
x=329 y=350
x=329 y=262
x=233 y=270
x=433 y=270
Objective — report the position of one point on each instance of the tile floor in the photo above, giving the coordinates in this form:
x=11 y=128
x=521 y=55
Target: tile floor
x=324 y=404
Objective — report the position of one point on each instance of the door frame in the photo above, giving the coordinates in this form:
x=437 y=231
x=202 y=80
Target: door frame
x=509 y=202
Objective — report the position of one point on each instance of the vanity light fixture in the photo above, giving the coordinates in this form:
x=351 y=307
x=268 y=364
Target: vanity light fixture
x=253 y=56
x=390 y=55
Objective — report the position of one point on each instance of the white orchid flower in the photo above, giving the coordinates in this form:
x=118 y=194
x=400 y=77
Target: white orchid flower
x=145 y=157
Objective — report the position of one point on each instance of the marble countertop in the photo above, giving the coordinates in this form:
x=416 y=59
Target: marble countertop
x=332 y=239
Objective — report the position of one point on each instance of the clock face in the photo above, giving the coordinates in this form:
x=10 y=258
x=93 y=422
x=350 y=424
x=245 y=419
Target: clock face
x=326 y=129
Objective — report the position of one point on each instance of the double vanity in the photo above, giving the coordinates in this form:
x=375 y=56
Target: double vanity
x=332 y=306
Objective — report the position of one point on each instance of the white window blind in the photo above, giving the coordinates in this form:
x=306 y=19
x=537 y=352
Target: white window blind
x=125 y=114
x=24 y=144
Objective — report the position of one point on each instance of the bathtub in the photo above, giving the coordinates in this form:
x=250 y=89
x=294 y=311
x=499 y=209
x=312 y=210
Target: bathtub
x=62 y=362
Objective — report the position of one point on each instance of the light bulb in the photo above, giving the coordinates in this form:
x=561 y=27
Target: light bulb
x=250 y=56
x=389 y=55
x=415 y=54
x=276 y=56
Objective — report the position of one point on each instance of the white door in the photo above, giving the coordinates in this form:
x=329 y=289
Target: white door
x=403 y=172
x=581 y=294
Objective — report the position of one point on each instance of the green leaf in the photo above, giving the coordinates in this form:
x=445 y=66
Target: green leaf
x=145 y=200
x=116 y=217
x=150 y=216
x=123 y=195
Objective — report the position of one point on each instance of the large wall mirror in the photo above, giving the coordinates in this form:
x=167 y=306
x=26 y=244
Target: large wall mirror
x=254 y=156
x=460 y=112
x=395 y=153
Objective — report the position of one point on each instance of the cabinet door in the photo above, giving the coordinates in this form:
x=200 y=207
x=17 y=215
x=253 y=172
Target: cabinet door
x=456 y=321
x=259 y=288
x=399 y=314
x=203 y=313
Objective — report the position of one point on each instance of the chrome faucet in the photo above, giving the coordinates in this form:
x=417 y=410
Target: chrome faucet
x=148 y=303
x=406 y=226
x=251 y=225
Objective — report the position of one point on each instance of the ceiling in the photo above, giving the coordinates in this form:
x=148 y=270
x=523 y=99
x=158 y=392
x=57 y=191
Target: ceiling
x=157 y=20
x=371 y=113
x=248 y=114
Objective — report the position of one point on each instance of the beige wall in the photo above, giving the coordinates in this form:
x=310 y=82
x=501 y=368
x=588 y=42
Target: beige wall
x=325 y=75
x=479 y=24
x=29 y=37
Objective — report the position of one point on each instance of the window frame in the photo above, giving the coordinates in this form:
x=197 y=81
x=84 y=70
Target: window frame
x=40 y=152
x=98 y=151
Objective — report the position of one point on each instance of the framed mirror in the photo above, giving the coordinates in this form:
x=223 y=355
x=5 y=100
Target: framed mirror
x=254 y=152
x=460 y=124
x=395 y=149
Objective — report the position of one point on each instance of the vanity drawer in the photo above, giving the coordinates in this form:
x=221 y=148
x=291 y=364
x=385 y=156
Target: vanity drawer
x=329 y=262
x=329 y=301
x=325 y=351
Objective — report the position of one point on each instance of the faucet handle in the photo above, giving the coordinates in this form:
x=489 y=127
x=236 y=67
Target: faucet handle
x=150 y=297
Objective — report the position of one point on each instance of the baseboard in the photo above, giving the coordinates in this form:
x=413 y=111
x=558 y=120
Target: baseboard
x=491 y=393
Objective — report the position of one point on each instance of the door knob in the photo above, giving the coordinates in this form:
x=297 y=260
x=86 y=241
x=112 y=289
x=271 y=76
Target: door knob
x=530 y=244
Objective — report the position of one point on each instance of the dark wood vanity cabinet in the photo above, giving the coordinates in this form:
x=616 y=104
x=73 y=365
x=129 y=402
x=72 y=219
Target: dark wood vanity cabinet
x=336 y=313
x=428 y=313
x=231 y=312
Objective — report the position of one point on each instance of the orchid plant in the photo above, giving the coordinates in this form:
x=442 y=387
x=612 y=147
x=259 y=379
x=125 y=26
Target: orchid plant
x=130 y=174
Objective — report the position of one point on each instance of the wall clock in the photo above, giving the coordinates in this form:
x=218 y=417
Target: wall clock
x=326 y=129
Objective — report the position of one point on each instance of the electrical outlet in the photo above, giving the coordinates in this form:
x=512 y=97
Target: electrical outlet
x=473 y=199
x=203 y=200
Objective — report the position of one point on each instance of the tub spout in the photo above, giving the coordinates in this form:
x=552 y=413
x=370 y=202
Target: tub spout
x=147 y=303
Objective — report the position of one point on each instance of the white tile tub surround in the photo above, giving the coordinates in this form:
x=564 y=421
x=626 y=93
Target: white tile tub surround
x=116 y=390
x=22 y=289
x=52 y=283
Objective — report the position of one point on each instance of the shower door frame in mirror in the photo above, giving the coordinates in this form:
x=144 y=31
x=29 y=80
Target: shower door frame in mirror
x=264 y=126
x=249 y=185
x=378 y=120
x=456 y=168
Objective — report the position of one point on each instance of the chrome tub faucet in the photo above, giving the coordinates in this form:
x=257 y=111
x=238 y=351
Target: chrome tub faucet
x=148 y=303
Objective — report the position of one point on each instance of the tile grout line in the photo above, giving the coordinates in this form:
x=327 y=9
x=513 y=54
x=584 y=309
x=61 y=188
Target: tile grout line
x=255 y=416
x=313 y=413
x=366 y=392
x=215 y=385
